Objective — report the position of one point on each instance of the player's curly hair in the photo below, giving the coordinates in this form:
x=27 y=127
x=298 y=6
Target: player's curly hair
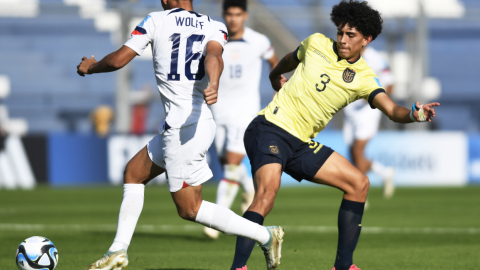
x=234 y=3
x=359 y=15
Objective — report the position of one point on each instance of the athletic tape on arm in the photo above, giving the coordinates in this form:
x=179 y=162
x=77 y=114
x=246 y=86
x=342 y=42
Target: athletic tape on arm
x=421 y=114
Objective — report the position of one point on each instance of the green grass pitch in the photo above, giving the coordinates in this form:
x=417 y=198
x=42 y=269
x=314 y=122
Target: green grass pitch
x=420 y=228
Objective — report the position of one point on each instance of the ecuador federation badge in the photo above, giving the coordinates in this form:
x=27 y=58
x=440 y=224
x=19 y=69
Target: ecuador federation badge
x=274 y=149
x=349 y=75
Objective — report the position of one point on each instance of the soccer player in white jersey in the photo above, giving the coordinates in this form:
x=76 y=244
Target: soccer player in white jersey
x=361 y=123
x=187 y=54
x=239 y=102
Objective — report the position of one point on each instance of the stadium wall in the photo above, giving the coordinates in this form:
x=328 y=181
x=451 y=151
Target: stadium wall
x=420 y=158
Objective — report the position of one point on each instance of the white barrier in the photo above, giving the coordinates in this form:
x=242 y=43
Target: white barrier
x=423 y=158
x=15 y=170
x=419 y=158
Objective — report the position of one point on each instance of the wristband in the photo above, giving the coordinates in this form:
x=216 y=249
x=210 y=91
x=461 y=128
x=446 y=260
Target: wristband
x=421 y=113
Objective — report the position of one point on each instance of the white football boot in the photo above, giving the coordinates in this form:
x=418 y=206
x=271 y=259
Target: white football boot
x=388 y=184
x=273 y=248
x=117 y=260
x=211 y=233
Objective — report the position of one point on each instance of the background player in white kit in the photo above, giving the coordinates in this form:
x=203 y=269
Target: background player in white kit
x=361 y=123
x=239 y=102
x=187 y=51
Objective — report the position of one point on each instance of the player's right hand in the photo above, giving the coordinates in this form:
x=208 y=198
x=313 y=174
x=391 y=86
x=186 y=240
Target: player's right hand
x=210 y=94
x=83 y=67
x=278 y=82
x=428 y=111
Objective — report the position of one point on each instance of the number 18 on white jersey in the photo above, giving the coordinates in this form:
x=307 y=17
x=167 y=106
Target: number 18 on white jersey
x=179 y=39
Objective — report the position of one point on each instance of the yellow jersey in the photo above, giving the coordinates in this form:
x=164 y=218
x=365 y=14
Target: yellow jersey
x=322 y=85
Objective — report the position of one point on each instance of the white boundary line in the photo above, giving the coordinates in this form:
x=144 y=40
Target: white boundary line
x=195 y=227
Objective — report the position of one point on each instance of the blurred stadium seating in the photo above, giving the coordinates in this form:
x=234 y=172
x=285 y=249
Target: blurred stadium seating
x=42 y=41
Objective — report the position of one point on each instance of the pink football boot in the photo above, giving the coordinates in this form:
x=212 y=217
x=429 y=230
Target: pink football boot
x=353 y=267
x=243 y=268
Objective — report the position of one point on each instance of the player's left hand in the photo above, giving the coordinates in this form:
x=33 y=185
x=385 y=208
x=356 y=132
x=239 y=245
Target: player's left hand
x=428 y=111
x=210 y=94
x=84 y=66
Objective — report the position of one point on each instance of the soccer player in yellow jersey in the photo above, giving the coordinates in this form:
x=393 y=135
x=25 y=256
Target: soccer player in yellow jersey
x=328 y=76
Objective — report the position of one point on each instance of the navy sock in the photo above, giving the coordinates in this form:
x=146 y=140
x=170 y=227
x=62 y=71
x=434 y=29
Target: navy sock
x=244 y=246
x=349 y=227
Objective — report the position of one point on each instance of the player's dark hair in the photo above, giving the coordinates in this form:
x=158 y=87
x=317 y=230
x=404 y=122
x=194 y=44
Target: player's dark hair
x=234 y=3
x=358 y=15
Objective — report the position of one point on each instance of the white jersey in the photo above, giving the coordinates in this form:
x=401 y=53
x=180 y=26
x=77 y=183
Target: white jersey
x=239 y=93
x=380 y=66
x=179 y=39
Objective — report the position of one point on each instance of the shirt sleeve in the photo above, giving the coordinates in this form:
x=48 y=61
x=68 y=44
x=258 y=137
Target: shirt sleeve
x=299 y=53
x=370 y=88
x=268 y=50
x=142 y=35
x=219 y=34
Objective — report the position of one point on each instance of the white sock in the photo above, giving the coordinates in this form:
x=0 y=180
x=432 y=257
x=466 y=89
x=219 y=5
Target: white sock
x=245 y=180
x=132 y=204
x=226 y=192
x=379 y=169
x=226 y=221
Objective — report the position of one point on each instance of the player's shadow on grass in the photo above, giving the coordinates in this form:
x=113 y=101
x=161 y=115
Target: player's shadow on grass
x=165 y=236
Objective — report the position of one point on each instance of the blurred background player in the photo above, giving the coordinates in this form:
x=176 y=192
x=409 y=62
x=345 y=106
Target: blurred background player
x=239 y=102
x=361 y=123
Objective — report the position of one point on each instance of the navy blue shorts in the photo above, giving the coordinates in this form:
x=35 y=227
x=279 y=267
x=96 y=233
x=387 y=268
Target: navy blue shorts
x=267 y=143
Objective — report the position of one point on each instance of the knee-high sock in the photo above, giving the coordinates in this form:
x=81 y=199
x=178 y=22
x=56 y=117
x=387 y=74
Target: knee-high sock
x=226 y=221
x=349 y=227
x=245 y=180
x=248 y=188
x=244 y=246
x=379 y=169
x=226 y=192
x=228 y=187
x=132 y=205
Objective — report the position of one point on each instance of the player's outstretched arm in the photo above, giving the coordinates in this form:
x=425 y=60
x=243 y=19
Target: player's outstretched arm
x=114 y=61
x=400 y=114
x=213 y=68
x=287 y=64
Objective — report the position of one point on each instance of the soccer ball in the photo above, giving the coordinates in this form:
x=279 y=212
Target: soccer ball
x=35 y=253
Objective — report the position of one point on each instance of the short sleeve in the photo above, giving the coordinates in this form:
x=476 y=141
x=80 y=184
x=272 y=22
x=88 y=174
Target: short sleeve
x=370 y=88
x=142 y=35
x=268 y=50
x=299 y=53
x=219 y=33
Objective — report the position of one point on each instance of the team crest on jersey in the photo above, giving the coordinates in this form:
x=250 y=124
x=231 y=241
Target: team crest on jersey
x=274 y=149
x=349 y=75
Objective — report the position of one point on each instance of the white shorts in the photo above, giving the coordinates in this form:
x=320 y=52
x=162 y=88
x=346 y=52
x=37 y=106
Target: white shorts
x=229 y=137
x=182 y=152
x=360 y=123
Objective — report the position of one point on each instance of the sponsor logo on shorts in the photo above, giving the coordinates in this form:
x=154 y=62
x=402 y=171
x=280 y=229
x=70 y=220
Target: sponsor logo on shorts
x=274 y=149
x=349 y=75
x=314 y=144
